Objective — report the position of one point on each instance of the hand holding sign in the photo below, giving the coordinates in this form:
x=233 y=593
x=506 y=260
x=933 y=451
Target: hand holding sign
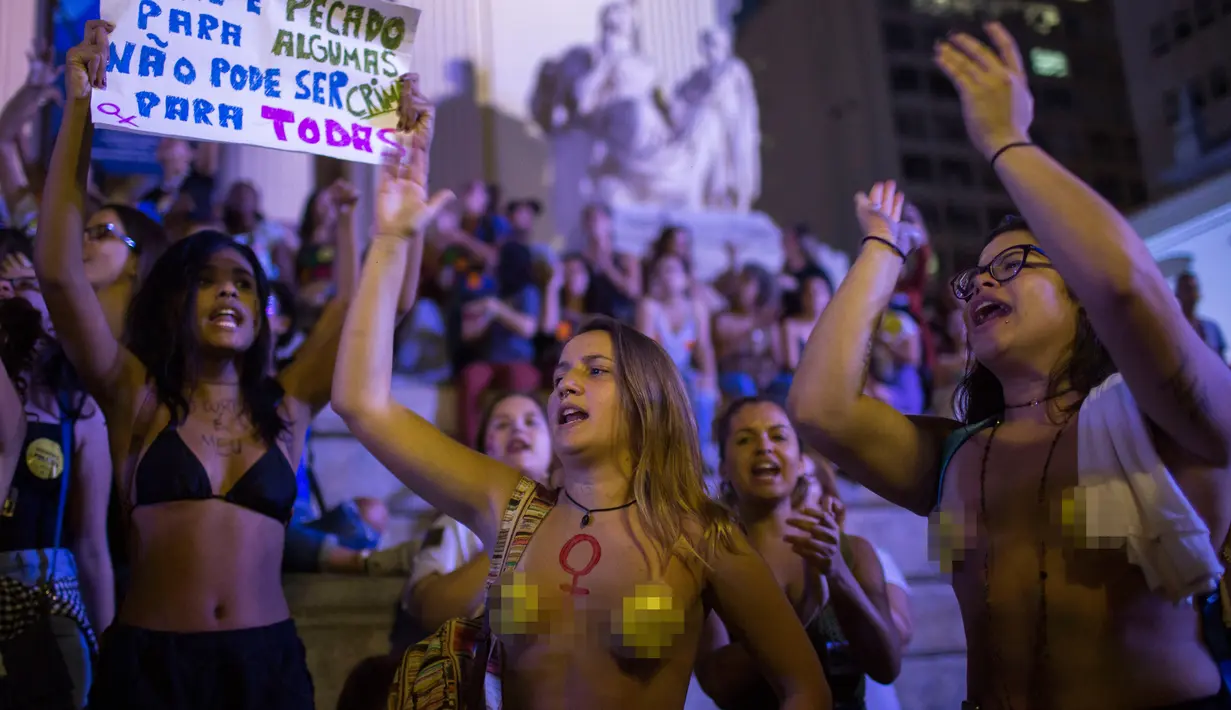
x=317 y=76
x=344 y=196
x=401 y=205
x=86 y=64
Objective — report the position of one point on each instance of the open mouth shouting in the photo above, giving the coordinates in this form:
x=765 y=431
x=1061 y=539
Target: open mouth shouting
x=987 y=309
x=765 y=470
x=571 y=414
x=516 y=445
x=226 y=317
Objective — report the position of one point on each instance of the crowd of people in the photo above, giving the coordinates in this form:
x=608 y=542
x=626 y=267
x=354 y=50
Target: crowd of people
x=641 y=494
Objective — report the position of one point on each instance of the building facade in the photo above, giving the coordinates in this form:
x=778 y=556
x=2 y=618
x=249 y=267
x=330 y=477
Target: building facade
x=1179 y=69
x=854 y=85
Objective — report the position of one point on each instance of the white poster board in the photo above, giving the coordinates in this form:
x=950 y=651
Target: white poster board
x=313 y=76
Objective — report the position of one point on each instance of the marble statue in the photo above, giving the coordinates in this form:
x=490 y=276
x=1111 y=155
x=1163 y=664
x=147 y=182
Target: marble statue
x=722 y=91
x=697 y=148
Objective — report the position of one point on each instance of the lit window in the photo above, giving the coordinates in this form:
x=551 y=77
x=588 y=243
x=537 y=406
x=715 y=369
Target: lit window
x=1041 y=18
x=1049 y=62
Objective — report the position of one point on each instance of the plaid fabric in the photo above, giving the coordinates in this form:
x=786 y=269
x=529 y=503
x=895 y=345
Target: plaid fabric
x=460 y=665
x=22 y=605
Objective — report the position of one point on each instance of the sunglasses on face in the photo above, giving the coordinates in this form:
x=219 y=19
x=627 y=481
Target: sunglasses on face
x=1004 y=267
x=100 y=232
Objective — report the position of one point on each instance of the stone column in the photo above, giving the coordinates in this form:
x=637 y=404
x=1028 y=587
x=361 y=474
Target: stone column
x=284 y=179
x=19 y=18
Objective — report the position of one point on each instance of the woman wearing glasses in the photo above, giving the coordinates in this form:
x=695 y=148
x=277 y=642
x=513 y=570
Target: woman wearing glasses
x=121 y=245
x=1069 y=563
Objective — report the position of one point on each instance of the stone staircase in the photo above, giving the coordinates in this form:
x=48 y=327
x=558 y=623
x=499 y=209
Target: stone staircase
x=345 y=619
x=934 y=669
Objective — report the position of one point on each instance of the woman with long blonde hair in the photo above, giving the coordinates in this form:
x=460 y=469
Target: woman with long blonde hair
x=607 y=604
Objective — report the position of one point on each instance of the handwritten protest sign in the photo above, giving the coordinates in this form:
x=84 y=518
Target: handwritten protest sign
x=315 y=76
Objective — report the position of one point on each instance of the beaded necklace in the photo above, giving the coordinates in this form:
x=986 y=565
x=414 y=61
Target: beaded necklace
x=1041 y=651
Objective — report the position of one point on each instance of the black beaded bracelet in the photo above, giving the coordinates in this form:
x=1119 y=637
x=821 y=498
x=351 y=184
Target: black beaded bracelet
x=886 y=242
x=1007 y=148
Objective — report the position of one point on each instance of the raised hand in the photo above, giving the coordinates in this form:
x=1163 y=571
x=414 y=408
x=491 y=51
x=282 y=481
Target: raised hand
x=913 y=221
x=819 y=541
x=86 y=64
x=555 y=275
x=42 y=74
x=344 y=196
x=402 y=207
x=16 y=266
x=879 y=212
x=996 y=101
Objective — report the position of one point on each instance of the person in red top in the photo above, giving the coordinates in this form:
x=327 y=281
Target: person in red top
x=914 y=283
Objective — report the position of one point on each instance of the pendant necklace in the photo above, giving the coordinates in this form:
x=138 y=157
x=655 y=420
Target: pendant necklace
x=1041 y=651
x=587 y=512
x=1035 y=402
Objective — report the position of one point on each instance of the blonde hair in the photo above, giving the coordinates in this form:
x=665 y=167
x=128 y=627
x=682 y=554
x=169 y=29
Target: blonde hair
x=660 y=432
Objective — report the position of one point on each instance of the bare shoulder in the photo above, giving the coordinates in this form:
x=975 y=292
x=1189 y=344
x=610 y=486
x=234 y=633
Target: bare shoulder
x=863 y=554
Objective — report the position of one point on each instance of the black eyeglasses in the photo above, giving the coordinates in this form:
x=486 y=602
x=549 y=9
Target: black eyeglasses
x=1003 y=267
x=102 y=231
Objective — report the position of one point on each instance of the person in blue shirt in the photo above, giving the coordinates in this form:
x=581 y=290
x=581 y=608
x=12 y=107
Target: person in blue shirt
x=500 y=317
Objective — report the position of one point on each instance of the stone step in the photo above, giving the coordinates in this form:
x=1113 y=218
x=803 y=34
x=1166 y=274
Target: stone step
x=937 y=620
x=856 y=496
x=932 y=682
x=434 y=402
x=901 y=533
x=342 y=620
x=346 y=470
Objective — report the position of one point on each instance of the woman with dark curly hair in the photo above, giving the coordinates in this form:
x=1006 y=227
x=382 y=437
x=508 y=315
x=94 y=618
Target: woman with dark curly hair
x=53 y=525
x=207 y=439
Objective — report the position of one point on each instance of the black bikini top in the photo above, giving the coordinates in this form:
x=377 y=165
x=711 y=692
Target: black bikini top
x=170 y=471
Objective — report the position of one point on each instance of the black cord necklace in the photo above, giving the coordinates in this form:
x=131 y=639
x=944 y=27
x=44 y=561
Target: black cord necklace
x=1041 y=652
x=585 y=519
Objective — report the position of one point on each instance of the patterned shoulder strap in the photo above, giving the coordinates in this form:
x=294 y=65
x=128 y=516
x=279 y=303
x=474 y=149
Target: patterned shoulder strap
x=530 y=503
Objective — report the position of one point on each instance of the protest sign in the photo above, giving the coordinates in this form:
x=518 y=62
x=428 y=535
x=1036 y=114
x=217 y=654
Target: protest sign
x=114 y=152
x=315 y=76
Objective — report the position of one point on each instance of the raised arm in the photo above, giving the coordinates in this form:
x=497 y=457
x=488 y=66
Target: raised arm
x=724 y=670
x=750 y=603
x=91 y=492
x=21 y=109
x=707 y=362
x=1177 y=381
x=895 y=456
x=861 y=601
x=856 y=587
x=452 y=478
x=309 y=377
x=522 y=316
x=549 y=314
x=644 y=320
x=107 y=369
x=414 y=273
x=453 y=595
